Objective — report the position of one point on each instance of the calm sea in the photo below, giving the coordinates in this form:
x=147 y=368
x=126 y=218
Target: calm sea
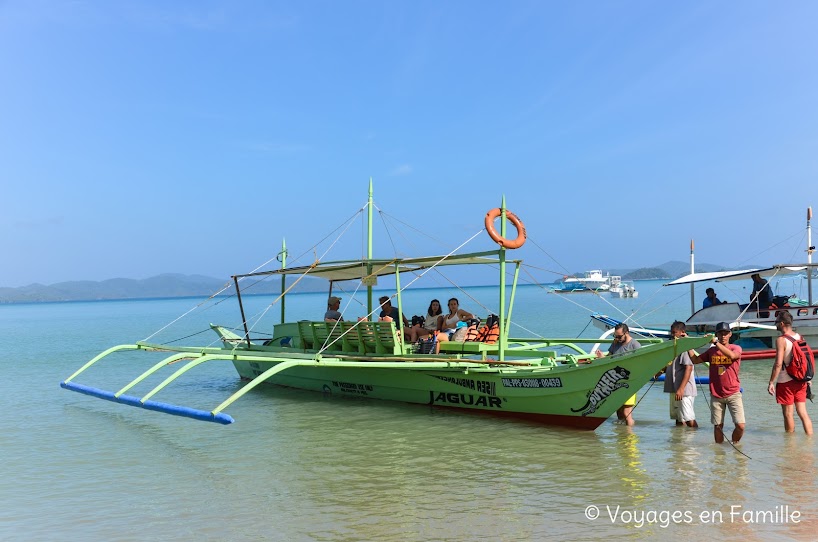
x=300 y=466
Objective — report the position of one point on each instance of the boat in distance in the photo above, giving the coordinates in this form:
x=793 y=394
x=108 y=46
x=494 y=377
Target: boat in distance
x=545 y=380
x=759 y=321
x=590 y=281
x=622 y=288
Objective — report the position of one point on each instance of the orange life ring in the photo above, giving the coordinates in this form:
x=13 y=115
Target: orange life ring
x=518 y=241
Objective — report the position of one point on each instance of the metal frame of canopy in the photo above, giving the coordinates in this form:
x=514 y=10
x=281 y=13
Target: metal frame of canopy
x=344 y=270
x=336 y=271
x=361 y=269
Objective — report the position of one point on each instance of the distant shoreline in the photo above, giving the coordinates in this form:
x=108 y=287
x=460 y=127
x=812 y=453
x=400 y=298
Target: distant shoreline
x=260 y=294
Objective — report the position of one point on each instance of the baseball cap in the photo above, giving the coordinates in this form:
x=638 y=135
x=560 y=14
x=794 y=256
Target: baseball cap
x=333 y=300
x=722 y=326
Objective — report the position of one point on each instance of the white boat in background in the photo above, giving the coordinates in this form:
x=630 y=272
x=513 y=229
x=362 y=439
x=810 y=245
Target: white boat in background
x=760 y=323
x=622 y=288
x=591 y=281
x=595 y=280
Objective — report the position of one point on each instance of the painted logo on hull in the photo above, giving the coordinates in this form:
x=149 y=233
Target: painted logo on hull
x=610 y=381
x=464 y=399
x=482 y=386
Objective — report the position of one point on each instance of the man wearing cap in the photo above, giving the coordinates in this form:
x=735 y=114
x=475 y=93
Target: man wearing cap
x=725 y=387
x=332 y=314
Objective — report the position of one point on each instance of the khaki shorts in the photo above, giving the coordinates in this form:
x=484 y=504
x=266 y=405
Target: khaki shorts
x=733 y=403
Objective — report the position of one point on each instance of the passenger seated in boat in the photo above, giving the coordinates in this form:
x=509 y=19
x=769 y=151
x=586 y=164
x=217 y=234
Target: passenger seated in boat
x=447 y=323
x=390 y=312
x=429 y=324
x=332 y=314
x=711 y=299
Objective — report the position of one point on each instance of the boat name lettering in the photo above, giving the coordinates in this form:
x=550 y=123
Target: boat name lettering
x=349 y=387
x=532 y=382
x=610 y=381
x=437 y=397
x=483 y=386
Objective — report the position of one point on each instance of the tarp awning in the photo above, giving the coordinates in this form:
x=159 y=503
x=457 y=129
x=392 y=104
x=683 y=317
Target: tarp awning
x=359 y=269
x=720 y=276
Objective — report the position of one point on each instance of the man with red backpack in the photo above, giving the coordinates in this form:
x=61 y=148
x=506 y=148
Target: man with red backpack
x=789 y=391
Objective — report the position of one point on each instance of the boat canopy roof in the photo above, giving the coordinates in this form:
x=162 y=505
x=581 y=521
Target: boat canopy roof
x=719 y=276
x=359 y=269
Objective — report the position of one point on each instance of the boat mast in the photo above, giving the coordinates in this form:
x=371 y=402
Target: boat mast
x=283 y=260
x=503 y=328
x=810 y=250
x=241 y=308
x=692 y=288
x=369 y=249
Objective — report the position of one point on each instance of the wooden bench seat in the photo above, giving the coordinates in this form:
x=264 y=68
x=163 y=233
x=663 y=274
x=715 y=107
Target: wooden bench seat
x=351 y=337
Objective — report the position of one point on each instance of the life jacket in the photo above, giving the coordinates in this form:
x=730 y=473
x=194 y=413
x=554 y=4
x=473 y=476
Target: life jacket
x=802 y=365
x=489 y=335
x=472 y=333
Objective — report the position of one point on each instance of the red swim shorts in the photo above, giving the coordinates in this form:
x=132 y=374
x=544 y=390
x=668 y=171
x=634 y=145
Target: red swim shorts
x=791 y=392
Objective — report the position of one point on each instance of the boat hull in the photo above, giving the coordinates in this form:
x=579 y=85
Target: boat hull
x=579 y=396
x=805 y=321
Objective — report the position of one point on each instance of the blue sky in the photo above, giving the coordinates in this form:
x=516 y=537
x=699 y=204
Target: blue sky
x=138 y=138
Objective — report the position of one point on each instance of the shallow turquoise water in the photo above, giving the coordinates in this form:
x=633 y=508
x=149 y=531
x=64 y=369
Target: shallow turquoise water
x=300 y=466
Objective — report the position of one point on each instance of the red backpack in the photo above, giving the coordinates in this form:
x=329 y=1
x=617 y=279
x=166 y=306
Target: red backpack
x=802 y=364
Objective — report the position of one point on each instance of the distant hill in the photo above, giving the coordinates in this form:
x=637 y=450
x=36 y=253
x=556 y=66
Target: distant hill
x=165 y=285
x=647 y=273
x=177 y=285
x=676 y=269
x=668 y=270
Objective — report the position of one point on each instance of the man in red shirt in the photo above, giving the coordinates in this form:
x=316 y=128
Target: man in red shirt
x=725 y=387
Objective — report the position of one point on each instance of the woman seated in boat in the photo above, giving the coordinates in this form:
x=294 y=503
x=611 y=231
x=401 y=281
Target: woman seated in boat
x=447 y=323
x=429 y=325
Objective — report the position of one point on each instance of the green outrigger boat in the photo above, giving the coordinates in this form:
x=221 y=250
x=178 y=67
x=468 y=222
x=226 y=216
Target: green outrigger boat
x=544 y=380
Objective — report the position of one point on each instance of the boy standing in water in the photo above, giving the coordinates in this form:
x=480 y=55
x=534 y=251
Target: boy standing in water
x=680 y=383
